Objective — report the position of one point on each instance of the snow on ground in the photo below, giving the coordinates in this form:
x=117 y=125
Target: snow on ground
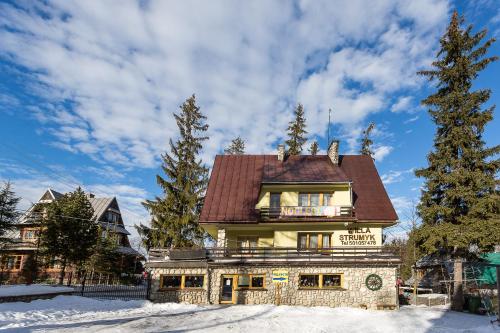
x=34 y=289
x=79 y=314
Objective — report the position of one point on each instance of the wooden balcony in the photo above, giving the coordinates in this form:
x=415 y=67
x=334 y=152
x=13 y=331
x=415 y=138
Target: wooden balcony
x=277 y=255
x=307 y=213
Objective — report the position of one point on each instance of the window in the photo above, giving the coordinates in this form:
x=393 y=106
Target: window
x=303 y=199
x=257 y=281
x=193 y=281
x=332 y=280
x=11 y=262
x=171 y=281
x=250 y=281
x=247 y=241
x=309 y=281
x=181 y=281
x=322 y=281
x=327 y=199
x=314 y=240
x=315 y=199
x=113 y=217
x=275 y=200
x=30 y=234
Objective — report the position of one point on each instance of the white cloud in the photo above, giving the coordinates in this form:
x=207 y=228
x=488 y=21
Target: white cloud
x=30 y=184
x=395 y=176
x=125 y=68
x=402 y=104
x=410 y=120
x=380 y=152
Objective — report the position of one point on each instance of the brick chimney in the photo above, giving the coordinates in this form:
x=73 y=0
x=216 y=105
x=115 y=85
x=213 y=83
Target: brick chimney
x=281 y=152
x=333 y=152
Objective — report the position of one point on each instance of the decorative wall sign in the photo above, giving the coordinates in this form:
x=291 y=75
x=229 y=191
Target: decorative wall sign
x=328 y=211
x=280 y=276
x=373 y=282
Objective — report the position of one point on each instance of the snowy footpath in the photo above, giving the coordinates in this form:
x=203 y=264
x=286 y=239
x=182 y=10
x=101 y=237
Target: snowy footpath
x=34 y=289
x=78 y=314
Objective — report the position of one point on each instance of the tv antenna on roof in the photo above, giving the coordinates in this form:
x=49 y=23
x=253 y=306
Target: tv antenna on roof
x=329 y=121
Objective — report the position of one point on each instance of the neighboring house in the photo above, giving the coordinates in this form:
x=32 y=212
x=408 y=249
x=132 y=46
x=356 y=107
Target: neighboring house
x=25 y=239
x=301 y=230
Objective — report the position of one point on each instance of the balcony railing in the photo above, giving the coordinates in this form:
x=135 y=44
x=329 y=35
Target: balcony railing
x=306 y=212
x=276 y=254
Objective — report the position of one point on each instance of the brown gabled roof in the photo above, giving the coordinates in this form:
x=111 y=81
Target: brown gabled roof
x=303 y=169
x=371 y=201
x=234 y=185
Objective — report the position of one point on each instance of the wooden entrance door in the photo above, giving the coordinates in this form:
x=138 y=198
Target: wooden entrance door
x=228 y=286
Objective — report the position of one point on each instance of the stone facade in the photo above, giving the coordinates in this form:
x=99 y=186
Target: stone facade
x=353 y=292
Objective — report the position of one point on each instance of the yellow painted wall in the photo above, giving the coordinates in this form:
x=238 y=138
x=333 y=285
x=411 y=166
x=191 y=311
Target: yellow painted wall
x=265 y=237
x=290 y=194
x=341 y=236
x=286 y=235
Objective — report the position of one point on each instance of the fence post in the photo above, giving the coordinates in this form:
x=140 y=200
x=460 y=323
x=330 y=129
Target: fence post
x=148 y=288
x=83 y=285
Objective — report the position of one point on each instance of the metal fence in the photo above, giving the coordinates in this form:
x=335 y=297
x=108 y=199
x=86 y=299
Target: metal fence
x=114 y=290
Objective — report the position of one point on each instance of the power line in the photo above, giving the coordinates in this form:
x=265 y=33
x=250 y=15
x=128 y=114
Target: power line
x=39 y=214
x=66 y=181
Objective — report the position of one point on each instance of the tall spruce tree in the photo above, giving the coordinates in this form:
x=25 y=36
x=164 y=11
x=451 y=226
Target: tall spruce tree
x=237 y=147
x=105 y=255
x=366 y=141
x=297 y=131
x=314 y=148
x=175 y=215
x=69 y=232
x=145 y=236
x=460 y=202
x=8 y=210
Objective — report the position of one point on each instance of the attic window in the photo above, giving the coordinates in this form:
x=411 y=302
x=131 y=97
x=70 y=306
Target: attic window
x=315 y=199
x=112 y=217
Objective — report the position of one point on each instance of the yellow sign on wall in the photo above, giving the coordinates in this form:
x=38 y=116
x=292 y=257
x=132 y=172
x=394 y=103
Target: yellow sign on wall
x=280 y=276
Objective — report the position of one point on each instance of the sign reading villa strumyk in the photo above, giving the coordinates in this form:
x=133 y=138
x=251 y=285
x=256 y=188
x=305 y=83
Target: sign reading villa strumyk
x=357 y=237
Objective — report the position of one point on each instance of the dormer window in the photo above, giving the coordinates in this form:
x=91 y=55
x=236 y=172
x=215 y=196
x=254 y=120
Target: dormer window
x=30 y=234
x=315 y=199
x=275 y=200
x=112 y=217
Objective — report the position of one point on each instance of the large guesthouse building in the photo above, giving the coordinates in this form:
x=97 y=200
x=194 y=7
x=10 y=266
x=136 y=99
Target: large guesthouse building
x=304 y=230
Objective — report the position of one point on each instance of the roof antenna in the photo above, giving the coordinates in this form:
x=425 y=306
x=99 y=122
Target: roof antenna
x=329 y=120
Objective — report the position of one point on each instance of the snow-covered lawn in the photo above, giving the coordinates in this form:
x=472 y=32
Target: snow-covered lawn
x=34 y=289
x=78 y=314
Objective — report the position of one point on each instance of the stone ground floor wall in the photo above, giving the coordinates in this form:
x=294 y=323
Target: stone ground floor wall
x=353 y=292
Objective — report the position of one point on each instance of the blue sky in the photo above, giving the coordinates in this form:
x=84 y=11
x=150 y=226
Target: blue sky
x=87 y=89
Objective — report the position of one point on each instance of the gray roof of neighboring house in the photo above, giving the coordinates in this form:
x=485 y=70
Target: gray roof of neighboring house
x=118 y=228
x=100 y=206
x=128 y=251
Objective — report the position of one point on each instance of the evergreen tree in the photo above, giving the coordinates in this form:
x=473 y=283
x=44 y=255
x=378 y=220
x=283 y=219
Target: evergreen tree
x=366 y=142
x=105 y=256
x=297 y=131
x=460 y=203
x=31 y=269
x=175 y=215
x=8 y=212
x=314 y=148
x=69 y=232
x=237 y=147
x=145 y=235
